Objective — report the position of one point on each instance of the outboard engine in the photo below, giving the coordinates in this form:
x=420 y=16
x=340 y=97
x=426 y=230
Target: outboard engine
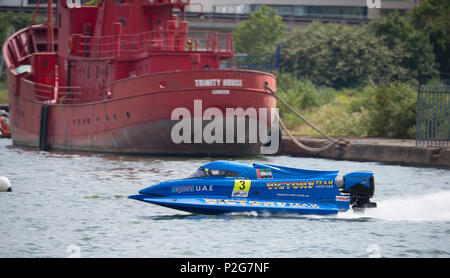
x=360 y=186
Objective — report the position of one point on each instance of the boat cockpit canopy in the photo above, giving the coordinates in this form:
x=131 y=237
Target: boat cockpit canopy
x=201 y=173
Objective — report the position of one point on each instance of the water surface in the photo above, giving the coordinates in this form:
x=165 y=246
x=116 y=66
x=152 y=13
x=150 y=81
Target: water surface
x=75 y=204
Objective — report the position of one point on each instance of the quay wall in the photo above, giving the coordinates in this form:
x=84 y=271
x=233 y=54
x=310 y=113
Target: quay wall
x=389 y=151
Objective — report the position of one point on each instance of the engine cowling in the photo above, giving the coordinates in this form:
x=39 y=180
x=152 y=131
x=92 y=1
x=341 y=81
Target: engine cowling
x=361 y=187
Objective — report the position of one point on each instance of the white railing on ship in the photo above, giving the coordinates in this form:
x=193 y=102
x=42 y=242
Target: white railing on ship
x=134 y=44
x=64 y=94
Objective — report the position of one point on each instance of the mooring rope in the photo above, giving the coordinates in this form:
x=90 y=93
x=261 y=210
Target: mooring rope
x=301 y=145
x=298 y=143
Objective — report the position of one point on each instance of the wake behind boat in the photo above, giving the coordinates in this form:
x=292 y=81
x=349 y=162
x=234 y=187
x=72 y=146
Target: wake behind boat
x=224 y=187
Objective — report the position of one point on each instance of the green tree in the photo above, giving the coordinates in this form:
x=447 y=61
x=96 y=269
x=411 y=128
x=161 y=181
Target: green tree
x=401 y=35
x=260 y=33
x=392 y=111
x=433 y=18
x=340 y=55
x=18 y=20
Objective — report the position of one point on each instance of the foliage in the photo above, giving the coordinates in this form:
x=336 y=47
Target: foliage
x=390 y=48
x=386 y=111
x=341 y=112
x=336 y=112
x=18 y=20
x=3 y=98
x=259 y=35
x=3 y=93
x=337 y=119
x=300 y=94
x=432 y=17
x=340 y=55
x=361 y=80
x=400 y=34
x=392 y=111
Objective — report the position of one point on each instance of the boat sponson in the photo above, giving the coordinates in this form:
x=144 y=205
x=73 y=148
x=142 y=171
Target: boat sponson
x=212 y=205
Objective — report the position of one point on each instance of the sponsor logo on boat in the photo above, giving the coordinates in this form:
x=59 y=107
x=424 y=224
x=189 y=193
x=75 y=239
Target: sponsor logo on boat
x=300 y=184
x=258 y=203
x=293 y=195
x=290 y=185
x=241 y=188
x=324 y=183
x=343 y=198
x=192 y=188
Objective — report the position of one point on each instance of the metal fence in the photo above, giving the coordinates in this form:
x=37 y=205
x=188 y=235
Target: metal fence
x=433 y=116
x=263 y=63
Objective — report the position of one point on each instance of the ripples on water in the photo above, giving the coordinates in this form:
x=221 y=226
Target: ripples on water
x=64 y=201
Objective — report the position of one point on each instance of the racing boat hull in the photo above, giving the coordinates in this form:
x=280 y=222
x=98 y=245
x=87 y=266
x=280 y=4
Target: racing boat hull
x=220 y=206
x=226 y=187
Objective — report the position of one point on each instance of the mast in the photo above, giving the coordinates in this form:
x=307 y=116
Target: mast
x=50 y=27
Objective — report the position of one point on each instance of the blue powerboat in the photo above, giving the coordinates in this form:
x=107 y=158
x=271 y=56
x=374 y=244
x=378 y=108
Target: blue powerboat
x=224 y=187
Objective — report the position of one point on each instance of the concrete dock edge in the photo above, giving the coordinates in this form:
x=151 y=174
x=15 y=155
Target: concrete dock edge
x=389 y=151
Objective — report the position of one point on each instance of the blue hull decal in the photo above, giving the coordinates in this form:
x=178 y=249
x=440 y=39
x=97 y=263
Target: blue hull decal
x=210 y=205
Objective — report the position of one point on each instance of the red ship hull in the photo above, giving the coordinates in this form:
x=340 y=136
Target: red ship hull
x=117 y=93
x=139 y=122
